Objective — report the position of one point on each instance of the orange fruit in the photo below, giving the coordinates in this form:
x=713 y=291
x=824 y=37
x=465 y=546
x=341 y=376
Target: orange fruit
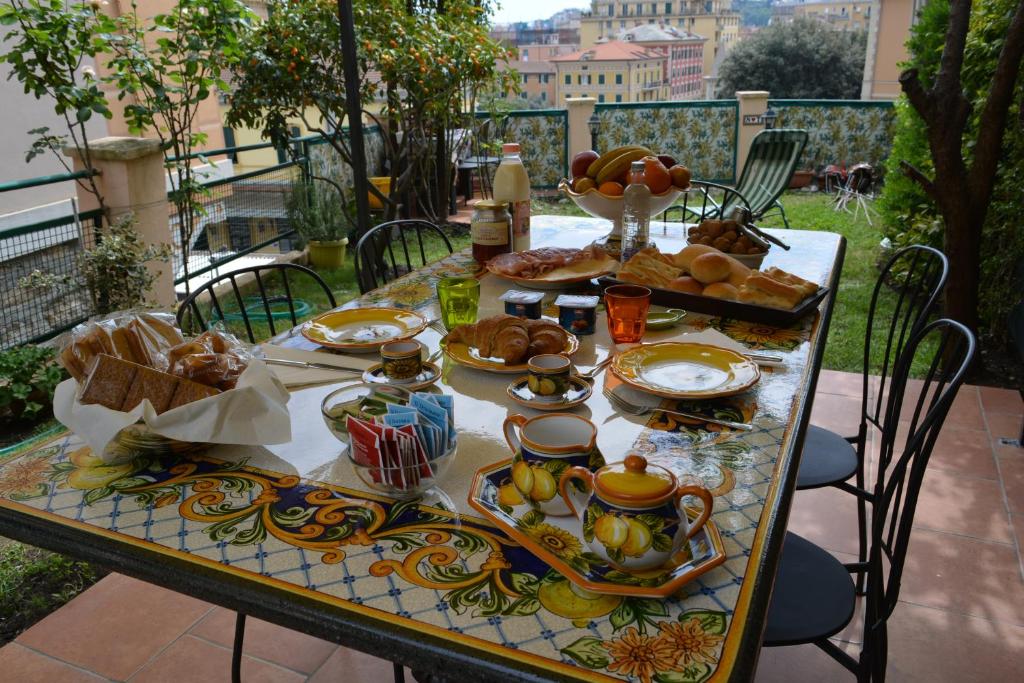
x=583 y=184
x=680 y=176
x=656 y=175
x=611 y=188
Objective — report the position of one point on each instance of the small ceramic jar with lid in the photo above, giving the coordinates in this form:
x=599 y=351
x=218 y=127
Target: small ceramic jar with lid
x=631 y=511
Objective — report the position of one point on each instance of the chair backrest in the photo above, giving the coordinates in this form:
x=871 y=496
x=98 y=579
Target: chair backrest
x=390 y=250
x=272 y=300
x=771 y=162
x=901 y=468
x=905 y=293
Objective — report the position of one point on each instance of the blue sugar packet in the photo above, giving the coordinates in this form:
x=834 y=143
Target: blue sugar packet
x=448 y=403
x=434 y=413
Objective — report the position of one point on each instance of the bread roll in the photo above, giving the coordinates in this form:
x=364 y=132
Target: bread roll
x=711 y=267
x=721 y=290
x=738 y=273
x=685 y=257
x=762 y=290
x=686 y=284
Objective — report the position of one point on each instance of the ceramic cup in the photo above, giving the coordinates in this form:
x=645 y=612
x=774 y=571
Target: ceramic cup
x=631 y=511
x=549 y=376
x=543 y=449
x=402 y=360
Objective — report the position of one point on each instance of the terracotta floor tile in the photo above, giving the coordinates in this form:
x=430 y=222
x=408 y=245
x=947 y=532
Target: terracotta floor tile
x=935 y=645
x=276 y=644
x=963 y=505
x=1001 y=425
x=798 y=664
x=966 y=452
x=1012 y=469
x=193 y=659
x=21 y=664
x=352 y=665
x=979 y=578
x=839 y=413
x=827 y=517
x=843 y=383
x=118 y=625
x=996 y=400
x=1018 y=531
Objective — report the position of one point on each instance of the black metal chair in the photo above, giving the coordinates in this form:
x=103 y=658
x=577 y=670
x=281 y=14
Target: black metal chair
x=376 y=259
x=829 y=459
x=264 y=306
x=1017 y=338
x=814 y=595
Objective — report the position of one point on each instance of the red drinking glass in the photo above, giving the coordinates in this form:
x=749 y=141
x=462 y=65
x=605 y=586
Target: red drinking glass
x=627 y=307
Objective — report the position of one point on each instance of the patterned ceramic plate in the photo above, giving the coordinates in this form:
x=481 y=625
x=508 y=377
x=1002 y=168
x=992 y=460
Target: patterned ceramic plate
x=686 y=370
x=430 y=374
x=579 y=391
x=565 y=276
x=363 y=329
x=471 y=358
x=559 y=542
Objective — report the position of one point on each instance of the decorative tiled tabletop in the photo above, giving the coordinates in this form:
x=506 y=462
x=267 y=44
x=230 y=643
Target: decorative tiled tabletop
x=294 y=518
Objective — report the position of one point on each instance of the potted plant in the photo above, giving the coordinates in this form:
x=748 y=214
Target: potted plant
x=315 y=211
x=801 y=178
x=28 y=376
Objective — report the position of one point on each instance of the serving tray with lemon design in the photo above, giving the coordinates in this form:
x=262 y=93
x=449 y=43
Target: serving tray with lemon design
x=559 y=541
x=363 y=329
x=684 y=370
x=466 y=355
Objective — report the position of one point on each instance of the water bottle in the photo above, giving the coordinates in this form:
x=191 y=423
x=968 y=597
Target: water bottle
x=636 y=212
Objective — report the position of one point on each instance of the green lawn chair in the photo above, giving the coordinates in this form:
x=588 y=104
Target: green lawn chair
x=773 y=158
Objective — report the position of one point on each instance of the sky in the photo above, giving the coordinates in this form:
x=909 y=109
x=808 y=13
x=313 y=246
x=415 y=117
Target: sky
x=527 y=10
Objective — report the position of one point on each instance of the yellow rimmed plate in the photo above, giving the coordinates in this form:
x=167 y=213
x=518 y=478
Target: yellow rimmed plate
x=363 y=329
x=471 y=358
x=566 y=275
x=685 y=370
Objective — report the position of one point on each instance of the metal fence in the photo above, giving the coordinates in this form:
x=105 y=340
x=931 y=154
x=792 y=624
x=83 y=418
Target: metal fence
x=52 y=247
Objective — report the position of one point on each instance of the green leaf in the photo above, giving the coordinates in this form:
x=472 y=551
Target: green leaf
x=650 y=607
x=615 y=554
x=653 y=522
x=623 y=615
x=556 y=467
x=711 y=621
x=95 y=495
x=524 y=583
x=589 y=652
x=662 y=543
x=532 y=518
x=695 y=673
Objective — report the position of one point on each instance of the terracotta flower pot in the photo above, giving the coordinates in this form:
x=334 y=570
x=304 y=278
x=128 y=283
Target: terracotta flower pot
x=801 y=179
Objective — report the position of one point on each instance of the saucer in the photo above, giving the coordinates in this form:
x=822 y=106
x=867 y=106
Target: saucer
x=579 y=391
x=430 y=374
x=663 y=320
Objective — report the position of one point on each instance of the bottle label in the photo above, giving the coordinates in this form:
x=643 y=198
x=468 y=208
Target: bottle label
x=520 y=218
x=489 y=233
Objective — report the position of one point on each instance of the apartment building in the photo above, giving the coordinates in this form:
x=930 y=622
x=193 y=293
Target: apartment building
x=715 y=20
x=684 y=63
x=616 y=71
x=536 y=81
x=888 y=31
x=839 y=14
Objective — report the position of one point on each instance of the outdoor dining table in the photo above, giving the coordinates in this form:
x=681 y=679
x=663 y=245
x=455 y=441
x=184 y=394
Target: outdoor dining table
x=288 y=534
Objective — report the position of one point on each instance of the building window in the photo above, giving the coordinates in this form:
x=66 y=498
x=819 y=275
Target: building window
x=523 y=95
x=526 y=78
x=618 y=98
x=543 y=96
x=668 y=8
x=600 y=79
x=618 y=79
x=639 y=9
x=600 y=98
x=568 y=79
x=654 y=8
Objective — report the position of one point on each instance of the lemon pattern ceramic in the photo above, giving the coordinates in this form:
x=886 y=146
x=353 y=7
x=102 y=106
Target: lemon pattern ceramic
x=363 y=329
x=471 y=358
x=686 y=371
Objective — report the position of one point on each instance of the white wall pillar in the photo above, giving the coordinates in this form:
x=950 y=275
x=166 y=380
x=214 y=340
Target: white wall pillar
x=580 y=110
x=132 y=179
x=752 y=103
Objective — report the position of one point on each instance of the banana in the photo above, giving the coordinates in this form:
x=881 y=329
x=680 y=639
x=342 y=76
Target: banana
x=620 y=164
x=599 y=163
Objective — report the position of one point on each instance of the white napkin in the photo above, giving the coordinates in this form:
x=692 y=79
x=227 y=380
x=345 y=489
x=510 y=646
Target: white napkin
x=293 y=377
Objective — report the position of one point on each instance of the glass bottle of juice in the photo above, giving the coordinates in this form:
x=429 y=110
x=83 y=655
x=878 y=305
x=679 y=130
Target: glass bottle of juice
x=512 y=185
x=636 y=212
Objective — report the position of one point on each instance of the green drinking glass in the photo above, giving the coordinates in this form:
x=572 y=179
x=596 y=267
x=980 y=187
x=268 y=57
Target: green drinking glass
x=459 y=298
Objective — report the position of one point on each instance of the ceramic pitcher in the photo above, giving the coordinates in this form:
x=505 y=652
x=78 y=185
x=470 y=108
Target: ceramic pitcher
x=631 y=511
x=543 y=449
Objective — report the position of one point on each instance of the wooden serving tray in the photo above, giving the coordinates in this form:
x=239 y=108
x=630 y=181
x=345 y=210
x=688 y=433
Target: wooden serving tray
x=739 y=310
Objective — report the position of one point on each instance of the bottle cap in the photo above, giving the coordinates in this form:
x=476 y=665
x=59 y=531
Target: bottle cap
x=510 y=148
x=636 y=167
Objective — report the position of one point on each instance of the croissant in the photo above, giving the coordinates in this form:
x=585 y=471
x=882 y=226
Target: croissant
x=511 y=338
x=545 y=337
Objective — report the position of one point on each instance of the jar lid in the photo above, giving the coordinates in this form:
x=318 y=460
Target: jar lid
x=490 y=204
x=510 y=148
x=577 y=301
x=634 y=482
x=516 y=296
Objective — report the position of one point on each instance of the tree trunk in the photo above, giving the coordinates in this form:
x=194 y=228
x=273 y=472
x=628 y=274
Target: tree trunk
x=963 y=249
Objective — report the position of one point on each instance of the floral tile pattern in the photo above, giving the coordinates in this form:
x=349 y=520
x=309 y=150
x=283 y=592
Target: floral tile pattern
x=840 y=134
x=700 y=136
x=326 y=162
x=542 y=141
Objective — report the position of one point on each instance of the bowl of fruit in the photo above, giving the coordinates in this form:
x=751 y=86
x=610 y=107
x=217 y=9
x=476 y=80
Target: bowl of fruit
x=598 y=182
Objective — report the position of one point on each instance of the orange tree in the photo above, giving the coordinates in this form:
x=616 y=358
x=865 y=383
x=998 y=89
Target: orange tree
x=420 y=67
